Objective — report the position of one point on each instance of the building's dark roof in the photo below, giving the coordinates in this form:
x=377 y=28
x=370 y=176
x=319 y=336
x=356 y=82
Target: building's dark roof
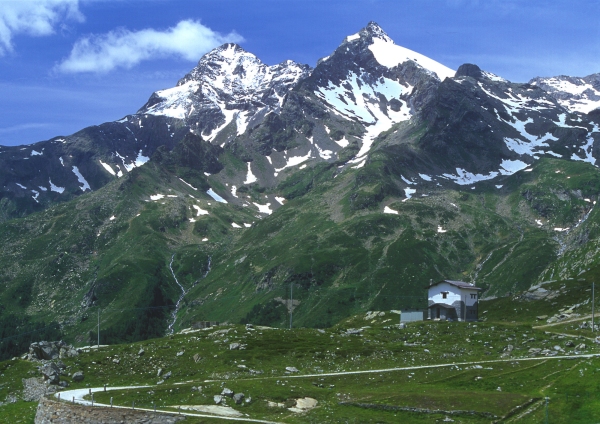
x=443 y=305
x=459 y=284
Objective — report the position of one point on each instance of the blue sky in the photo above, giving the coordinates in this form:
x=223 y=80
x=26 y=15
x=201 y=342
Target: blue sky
x=68 y=64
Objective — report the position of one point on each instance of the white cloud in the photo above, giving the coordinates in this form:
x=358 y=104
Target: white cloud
x=124 y=49
x=33 y=17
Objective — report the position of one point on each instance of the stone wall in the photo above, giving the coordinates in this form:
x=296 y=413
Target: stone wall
x=53 y=411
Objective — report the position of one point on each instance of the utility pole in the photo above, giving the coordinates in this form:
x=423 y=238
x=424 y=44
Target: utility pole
x=593 y=284
x=291 y=303
x=98 y=328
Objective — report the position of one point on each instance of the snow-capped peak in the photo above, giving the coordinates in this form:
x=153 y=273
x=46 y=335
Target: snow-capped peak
x=231 y=80
x=573 y=93
x=388 y=54
x=372 y=31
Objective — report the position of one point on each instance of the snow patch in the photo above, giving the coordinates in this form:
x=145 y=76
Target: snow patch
x=215 y=196
x=389 y=54
x=234 y=225
x=440 y=229
x=157 y=196
x=55 y=188
x=409 y=192
x=250 y=177
x=343 y=142
x=263 y=208
x=407 y=181
x=387 y=209
x=352 y=37
x=199 y=210
x=84 y=184
x=295 y=160
x=36 y=153
x=188 y=184
x=108 y=168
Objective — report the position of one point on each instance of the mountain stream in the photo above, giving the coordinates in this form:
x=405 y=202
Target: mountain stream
x=183 y=293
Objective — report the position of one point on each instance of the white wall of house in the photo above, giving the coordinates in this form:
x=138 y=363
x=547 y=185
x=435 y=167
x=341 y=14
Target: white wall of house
x=454 y=294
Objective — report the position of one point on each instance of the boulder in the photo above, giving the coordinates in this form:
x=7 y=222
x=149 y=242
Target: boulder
x=44 y=350
x=234 y=346
x=218 y=399
x=238 y=398
x=304 y=404
x=78 y=376
x=51 y=373
x=291 y=369
x=141 y=352
x=167 y=375
x=227 y=392
x=197 y=357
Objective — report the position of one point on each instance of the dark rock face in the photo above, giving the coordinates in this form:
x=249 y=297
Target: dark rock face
x=469 y=70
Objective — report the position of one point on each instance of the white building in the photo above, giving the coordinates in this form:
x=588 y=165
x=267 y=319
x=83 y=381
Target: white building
x=453 y=300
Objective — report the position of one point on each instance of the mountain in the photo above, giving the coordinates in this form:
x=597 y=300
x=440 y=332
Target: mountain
x=573 y=93
x=351 y=184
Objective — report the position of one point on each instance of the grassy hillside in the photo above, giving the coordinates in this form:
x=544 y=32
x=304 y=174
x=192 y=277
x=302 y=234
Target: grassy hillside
x=366 y=368
x=330 y=246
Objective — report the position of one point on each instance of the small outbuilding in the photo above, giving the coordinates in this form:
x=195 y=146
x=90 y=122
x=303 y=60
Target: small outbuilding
x=453 y=300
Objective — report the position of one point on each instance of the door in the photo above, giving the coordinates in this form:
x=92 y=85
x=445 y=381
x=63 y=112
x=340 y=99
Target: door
x=438 y=312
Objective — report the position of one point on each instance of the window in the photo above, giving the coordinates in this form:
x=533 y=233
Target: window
x=473 y=295
x=444 y=295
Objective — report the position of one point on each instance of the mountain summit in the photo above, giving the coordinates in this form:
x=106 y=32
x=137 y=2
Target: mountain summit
x=388 y=54
x=229 y=85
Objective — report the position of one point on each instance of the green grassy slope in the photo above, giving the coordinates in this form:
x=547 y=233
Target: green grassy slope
x=330 y=243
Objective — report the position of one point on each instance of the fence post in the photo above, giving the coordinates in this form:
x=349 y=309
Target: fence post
x=111 y=402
